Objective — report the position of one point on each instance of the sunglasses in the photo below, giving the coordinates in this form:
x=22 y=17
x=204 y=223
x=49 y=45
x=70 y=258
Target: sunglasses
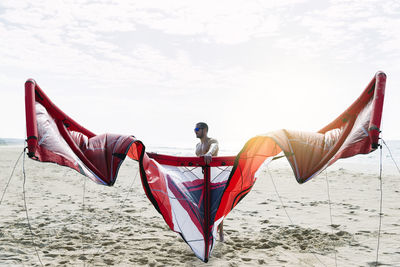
x=197 y=129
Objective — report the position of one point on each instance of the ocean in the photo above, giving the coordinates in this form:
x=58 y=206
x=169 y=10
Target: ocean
x=361 y=163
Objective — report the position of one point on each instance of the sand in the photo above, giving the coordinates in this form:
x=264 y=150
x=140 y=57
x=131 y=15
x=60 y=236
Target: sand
x=257 y=231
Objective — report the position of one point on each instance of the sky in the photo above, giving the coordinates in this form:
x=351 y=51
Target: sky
x=153 y=69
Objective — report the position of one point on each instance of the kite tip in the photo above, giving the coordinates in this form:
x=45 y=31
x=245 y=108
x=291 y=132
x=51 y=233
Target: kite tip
x=30 y=80
x=379 y=72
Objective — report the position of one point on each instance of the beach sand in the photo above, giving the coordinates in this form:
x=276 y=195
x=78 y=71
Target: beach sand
x=257 y=231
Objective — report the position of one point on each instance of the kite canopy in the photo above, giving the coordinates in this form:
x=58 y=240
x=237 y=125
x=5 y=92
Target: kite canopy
x=193 y=197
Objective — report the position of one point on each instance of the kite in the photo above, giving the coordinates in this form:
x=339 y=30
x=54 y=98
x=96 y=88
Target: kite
x=192 y=197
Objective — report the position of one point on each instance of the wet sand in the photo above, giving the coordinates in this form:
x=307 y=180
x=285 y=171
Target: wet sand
x=119 y=226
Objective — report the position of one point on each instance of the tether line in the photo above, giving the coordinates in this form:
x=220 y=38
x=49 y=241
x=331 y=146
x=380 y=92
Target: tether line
x=287 y=214
x=26 y=209
x=116 y=219
x=12 y=173
x=380 y=202
x=83 y=222
x=330 y=214
x=391 y=156
x=280 y=199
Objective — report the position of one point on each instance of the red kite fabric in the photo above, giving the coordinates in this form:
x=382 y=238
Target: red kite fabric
x=192 y=197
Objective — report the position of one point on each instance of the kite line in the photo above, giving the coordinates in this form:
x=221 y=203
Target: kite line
x=280 y=199
x=83 y=222
x=26 y=209
x=12 y=173
x=287 y=214
x=380 y=202
x=330 y=214
x=391 y=156
x=381 y=193
x=116 y=219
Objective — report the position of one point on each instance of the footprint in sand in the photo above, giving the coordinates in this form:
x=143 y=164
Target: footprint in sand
x=108 y=261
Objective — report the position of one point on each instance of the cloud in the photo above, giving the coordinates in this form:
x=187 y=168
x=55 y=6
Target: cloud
x=76 y=41
x=181 y=52
x=223 y=21
x=355 y=30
